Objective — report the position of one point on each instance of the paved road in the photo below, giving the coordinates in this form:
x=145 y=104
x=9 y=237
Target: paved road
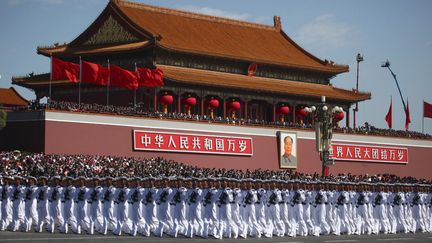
x=72 y=238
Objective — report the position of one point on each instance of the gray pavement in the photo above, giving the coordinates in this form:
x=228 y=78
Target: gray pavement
x=73 y=238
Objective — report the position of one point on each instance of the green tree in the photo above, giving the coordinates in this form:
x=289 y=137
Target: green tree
x=3 y=118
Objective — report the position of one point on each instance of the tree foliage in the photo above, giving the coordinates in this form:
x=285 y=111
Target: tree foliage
x=3 y=118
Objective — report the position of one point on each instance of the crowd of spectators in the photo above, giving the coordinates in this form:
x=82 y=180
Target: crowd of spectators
x=15 y=163
x=366 y=129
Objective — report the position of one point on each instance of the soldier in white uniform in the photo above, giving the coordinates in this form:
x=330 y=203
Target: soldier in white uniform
x=398 y=210
x=236 y=207
x=194 y=200
x=109 y=206
x=96 y=207
x=297 y=202
x=43 y=204
x=307 y=209
x=56 y=209
x=18 y=200
x=7 y=204
x=415 y=203
x=390 y=209
x=274 y=211
x=320 y=212
x=285 y=206
x=226 y=225
x=251 y=226
x=121 y=196
x=136 y=211
x=260 y=207
x=211 y=221
x=69 y=207
x=163 y=201
x=150 y=210
x=179 y=210
x=31 y=213
x=379 y=202
x=342 y=207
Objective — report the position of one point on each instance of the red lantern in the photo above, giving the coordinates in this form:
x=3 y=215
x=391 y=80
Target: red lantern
x=338 y=116
x=302 y=113
x=283 y=110
x=234 y=105
x=213 y=103
x=190 y=101
x=166 y=99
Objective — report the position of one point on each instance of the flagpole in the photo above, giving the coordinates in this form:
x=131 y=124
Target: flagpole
x=135 y=90
x=79 y=84
x=423 y=118
x=109 y=80
x=49 y=89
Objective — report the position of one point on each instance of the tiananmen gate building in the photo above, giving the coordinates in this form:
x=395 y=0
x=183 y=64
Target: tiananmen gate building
x=225 y=69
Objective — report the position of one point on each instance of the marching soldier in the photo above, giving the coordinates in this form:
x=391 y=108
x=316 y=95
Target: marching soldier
x=320 y=212
x=150 y=209
x=122 y=205
x=250 y=223
x=43 y=204
x=69 y=206
x=31 y=213
x=7 y=204
x=163 y=202
x=211 y=221
x=179 y=210
x=109 y=206
x=55 y=205
x=226 y=225
x=96 y=207
x=18 y=202
x=195 y=195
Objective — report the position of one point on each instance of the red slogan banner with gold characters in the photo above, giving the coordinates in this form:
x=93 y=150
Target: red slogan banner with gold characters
x=369 y=153
x=192 y=143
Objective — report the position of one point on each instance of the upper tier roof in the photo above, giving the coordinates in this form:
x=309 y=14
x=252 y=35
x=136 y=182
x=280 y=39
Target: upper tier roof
x=196 y=34
x=10 y=97
x=227 y=80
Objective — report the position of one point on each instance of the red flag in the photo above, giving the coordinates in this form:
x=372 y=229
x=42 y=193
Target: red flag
x=120 y=77
x=150 y=77
x=94 y=73
x=388 y=117
x=427 y=110
x=408 y=117
x=62 y=70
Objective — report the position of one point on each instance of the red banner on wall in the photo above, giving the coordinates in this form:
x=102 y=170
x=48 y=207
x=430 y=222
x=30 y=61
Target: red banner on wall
x=192 y=143
x=369 y=153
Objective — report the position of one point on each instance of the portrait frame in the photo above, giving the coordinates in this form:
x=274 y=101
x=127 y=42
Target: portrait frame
x=284 y=160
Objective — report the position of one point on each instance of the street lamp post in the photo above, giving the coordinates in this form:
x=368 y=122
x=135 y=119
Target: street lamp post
x=386 y=64
x=359 y=59
x=324 y=133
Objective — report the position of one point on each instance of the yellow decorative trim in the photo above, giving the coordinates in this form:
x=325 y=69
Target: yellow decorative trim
x=109 y=33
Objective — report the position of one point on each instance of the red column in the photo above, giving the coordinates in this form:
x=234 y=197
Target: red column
x=224 y=108
x=155 y=101
x=294 y=114
x=245 y=109
x=274 y=112
x=178 y=103
x=347 y=118
x=202 y=106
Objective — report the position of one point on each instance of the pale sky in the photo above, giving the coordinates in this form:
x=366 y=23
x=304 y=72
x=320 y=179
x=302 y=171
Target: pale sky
x=397 y=30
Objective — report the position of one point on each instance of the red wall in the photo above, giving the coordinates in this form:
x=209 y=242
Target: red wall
x=55 y=136
x=75 y=138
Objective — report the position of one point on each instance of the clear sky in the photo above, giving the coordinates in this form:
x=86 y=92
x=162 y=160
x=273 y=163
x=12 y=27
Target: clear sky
x=398 y=30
